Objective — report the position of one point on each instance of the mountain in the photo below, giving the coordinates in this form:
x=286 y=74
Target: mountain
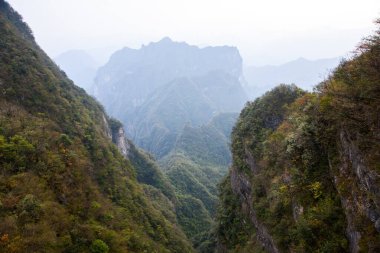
x=66 y=185
x=156 y=124
x=197 y=142
x=131 y=75
x=179 y=102
x=79 y=66
x=197 y=163
x=302 y=72
x=204 y=153
x=305 y=174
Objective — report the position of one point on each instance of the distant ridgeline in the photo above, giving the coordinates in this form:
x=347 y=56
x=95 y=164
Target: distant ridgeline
x=306 y=166
x=132 y=75
x=305 y=73
x=64 y=185
x=303 y=176
x=179 y=102
x=79 y=66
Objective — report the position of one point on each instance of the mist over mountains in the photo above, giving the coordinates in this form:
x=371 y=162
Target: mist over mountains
x=302 y=72
x=180 y=102
x=174 y=158
x=141 y=71
x=167 y=94
x=79 y=66
x=184 y=101
x=69 y=180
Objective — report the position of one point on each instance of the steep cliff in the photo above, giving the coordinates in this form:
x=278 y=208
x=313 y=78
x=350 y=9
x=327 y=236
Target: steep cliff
x=132 y=74
x=305 y=173
x=147 y=170
x=167 y=94
x=64 y=186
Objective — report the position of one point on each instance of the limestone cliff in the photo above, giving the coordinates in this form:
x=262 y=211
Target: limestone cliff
x=305 y=174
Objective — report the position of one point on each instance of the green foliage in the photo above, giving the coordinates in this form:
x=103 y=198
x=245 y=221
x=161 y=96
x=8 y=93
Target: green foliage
x=234 y=228
x=195 y=191
x=15 y=153
x=64 y=186
x=195 y=166
x=224 y=122
x=193 y=223
x=292 y=192
x=189 y=178
x=115 y=125
x=293 y=148
x=162 y=203
x=160 y=120
x=260 y=118
x=148 y=171
x=98 y=246
x=204 y=145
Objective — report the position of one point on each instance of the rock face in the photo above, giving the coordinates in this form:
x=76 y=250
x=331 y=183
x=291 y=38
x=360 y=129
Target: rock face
x=242 y=180
x=119 y=138
x=167 y=94
x=64 y=186
x=306 y=166
x=132 y=74
x=241 y=186
x=156 y=90
x=367 y=178
x=364 y=182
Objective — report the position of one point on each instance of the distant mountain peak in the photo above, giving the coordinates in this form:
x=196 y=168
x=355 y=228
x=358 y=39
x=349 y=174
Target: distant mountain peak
x=56 y=202
x=302 y=59
x=165 y=40
x=132 y=74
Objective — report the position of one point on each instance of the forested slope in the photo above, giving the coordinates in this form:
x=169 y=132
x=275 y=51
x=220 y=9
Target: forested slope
x=64 y=186
x=305 y=174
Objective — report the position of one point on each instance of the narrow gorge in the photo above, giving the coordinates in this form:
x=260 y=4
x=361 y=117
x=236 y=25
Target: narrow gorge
x=161 y=149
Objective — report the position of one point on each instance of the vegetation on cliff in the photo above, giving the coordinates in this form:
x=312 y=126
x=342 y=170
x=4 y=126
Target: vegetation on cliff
x=64 y=186
x=311 y=161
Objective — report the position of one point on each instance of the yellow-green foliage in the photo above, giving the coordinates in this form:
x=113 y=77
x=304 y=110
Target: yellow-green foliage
x=291 y=171
x=64 y=187
x=296 y=147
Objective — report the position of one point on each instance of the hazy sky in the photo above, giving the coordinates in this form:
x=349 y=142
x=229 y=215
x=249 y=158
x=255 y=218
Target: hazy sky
x=265 y=31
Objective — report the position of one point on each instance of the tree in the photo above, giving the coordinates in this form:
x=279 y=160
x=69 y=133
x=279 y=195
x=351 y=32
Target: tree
x=98 y=246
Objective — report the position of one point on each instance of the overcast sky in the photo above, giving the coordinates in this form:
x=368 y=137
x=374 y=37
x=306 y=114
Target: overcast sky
x=265 y=31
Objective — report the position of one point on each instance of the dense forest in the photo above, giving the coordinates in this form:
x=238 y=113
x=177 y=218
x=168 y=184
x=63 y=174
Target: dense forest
x=305 y=174
x=296 y=171
x=64 y=186
x=179 y=102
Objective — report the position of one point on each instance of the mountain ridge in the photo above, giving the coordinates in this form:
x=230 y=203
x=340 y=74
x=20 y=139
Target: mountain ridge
x=302 y=72
x=305 y=174
x=155 y=65
x=62 y=177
